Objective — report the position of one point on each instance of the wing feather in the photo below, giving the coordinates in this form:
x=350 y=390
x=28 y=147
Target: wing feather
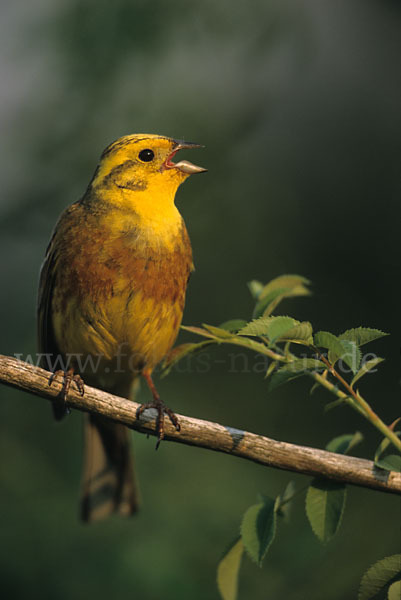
x=47 y=345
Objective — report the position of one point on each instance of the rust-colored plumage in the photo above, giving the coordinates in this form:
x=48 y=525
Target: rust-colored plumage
x=112 y=294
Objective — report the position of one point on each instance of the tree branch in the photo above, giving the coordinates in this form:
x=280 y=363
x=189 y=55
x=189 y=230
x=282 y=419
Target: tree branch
x=205 y=434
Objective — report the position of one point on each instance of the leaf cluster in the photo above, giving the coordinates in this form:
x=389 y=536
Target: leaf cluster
x=274 y=336
x=324 y=504
x=336 y=363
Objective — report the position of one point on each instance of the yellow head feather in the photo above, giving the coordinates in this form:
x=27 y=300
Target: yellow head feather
x=136 y=172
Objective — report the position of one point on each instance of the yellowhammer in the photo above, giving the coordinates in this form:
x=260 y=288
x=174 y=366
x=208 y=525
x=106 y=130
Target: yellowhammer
x=111 y=298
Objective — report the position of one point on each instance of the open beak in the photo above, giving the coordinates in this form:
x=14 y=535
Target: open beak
x=183 y=165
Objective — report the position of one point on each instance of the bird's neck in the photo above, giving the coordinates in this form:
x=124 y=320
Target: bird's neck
x=154 y=215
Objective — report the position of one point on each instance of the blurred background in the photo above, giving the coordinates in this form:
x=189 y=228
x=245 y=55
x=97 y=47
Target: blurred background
x=298 y=107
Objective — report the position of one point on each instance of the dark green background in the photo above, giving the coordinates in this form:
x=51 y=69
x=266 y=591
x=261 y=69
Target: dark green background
x=297 y=104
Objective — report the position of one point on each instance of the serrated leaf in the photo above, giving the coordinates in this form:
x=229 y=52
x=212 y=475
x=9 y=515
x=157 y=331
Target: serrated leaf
x=278 y=327
x=394 y=591
x=217 y=331
x=325 y=339
x=258 y=529
x=228 y=569
x=301 y=332
x=362 y=335
x=366 y=367
x=325 y=502
x=255 y=287
x=352 y=355
x=293 y=370
x=379 y=576
x=343 y=443
x=276 y=290
x=233 y=325
x=339 y=349
x=287 y=282
x=257 y=327
x=391 y=462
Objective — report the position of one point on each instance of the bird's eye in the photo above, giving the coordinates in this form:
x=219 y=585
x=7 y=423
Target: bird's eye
x=146 y=155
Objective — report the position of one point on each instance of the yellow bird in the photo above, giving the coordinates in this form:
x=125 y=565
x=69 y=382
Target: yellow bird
x=111 y=297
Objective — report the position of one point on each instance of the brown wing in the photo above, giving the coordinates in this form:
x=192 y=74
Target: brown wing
x=51 y=358
x=45 y=335
x=46 y=343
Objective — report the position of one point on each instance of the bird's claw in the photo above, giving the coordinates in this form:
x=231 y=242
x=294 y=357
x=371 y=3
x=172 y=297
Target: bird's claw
x=162 y=410
x=68 y=378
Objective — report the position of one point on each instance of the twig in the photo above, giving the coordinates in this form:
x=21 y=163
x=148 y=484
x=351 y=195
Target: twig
x=360 y=404
x=205 y=434
x=353 y=398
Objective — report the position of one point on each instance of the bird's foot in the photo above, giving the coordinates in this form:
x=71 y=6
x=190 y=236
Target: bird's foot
x=161 y=409
x=68 y=378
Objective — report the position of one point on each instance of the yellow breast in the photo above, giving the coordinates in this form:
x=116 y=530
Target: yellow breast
x=120 y=286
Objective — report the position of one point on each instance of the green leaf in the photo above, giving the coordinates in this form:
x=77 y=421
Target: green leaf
x=217 y=331
x=278 y=327
x=362 y=335
x=228 y=569
x=300 y=333
x=343 y=443
x=293 y=370
x=267 y=304
x=325 y=339
x=233 y=325
x=325 y=502
x=276 y=290
x=352 y=355
x=257 y=327
x=391 y=462
x=258 y=529
x=287 y=282
x=394 y=591
x=291 y=329
x=381 y=448
x=379 y=576
x=366 y=367
x=339 y=349
x=255 y=287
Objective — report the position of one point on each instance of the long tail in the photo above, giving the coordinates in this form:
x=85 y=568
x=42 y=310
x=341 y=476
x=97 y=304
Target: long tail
x=108 y=484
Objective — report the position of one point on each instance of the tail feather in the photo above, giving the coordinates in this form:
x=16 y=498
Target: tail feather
x=108 y=484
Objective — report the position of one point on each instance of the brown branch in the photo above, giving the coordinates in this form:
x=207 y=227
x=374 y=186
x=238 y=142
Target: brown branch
x=205 y=434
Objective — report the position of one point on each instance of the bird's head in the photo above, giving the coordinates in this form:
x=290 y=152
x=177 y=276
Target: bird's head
x=144 y=162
